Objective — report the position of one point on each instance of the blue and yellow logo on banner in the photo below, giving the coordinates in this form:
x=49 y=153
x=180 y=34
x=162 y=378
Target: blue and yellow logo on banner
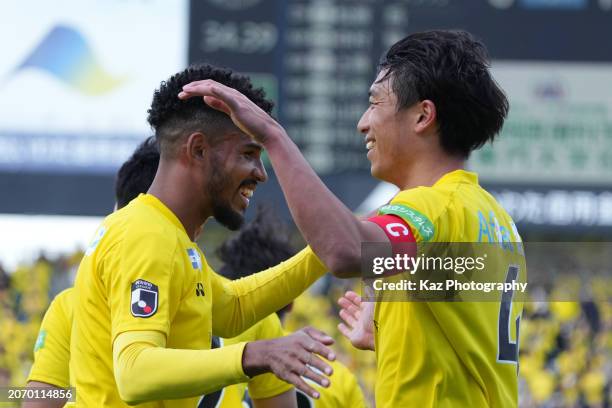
x=66 y=54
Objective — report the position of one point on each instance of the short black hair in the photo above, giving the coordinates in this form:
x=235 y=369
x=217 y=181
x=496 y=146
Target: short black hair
x=171 y=117
x=450 y=68
x=137 y=173
x=260 y=244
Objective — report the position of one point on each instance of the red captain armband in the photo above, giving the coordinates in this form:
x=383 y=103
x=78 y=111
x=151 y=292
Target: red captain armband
x=400 y=237
x=396 y=229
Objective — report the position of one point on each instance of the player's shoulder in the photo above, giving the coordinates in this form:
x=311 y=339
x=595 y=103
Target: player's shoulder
x=424 y=207
x=65 y=301
x=420 y=207
x=495 y=205
x=142 y=222
x=144 y=213
x=64 y=296
x=426 y=200
x=60 y=310
x=443 y=191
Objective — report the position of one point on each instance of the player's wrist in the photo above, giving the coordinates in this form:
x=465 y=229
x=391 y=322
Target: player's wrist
x=275 y=138
x=369 y=344
x=254 y=360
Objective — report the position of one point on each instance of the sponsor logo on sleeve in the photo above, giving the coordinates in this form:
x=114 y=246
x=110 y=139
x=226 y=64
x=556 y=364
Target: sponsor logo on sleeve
x=144 y=298
x=40 y=340
x=95 y=241
x=416 y=219
x=194 y=257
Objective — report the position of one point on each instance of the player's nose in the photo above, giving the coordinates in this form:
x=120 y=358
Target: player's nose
x=363 y=126
x=259 y=172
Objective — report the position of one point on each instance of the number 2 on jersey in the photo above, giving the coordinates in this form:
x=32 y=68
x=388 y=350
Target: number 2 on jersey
x=508 y=350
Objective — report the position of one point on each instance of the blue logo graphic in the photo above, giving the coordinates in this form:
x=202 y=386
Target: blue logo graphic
x=194 y=257
x=65 y=54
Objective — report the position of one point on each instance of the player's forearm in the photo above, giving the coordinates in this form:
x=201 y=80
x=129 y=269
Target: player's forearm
x=241 y=303
x=328 y=226
x=147 y=371
x=47 y=403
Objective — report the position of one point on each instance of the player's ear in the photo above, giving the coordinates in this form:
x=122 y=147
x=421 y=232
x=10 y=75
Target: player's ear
x=426 y=116
x=197 y=146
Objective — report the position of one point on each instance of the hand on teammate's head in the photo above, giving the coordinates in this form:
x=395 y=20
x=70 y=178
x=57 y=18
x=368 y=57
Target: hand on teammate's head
x=245 y=114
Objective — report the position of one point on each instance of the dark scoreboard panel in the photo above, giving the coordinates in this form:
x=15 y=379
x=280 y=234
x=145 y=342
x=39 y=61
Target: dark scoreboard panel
x=317 y=58
x=542 y=30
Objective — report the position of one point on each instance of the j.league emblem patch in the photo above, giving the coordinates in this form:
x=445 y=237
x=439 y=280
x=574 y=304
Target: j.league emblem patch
x=144 y=298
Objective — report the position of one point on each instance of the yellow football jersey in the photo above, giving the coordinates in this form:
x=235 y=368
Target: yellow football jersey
x=343 y=391
x=52 y=355
x=259 y=387
x=52 y=348
x=451 y=354
x=142 y=273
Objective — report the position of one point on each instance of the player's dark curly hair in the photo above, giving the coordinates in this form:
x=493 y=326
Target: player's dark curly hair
x=137 y=173
x=260 y=244
x=172 y=118
x=450 y=68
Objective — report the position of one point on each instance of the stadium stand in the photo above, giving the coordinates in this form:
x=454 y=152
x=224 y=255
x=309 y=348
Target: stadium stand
x=565 y=346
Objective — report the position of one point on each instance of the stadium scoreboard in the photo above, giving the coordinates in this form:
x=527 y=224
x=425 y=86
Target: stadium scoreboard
x=316 y=59
x=319 y=57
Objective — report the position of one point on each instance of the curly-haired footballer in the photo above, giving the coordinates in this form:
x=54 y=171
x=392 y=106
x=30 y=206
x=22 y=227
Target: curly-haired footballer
x=52 y=351
x=146 y=301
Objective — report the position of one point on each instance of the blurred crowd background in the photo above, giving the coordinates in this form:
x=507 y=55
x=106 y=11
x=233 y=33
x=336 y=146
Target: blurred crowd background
x=565 y=346
x=73 y=102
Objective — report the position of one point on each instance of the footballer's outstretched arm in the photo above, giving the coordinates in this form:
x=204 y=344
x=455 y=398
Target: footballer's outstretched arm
x=188 y=373
x=139 y=345
x=330 y=228
x=47 y=403
x=241 y=303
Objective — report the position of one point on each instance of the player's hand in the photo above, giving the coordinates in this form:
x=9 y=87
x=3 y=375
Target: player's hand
x=358 y=317
x=245 y=114
x=292 y=358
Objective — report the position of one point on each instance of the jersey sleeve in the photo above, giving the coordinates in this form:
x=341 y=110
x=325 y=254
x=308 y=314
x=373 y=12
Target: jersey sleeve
x=416 y=209
x=139 y=355
x=52 y=348
x=241 y=303
x=399 y=234
x=268 y=385
x=396 y=228
x=143 y=283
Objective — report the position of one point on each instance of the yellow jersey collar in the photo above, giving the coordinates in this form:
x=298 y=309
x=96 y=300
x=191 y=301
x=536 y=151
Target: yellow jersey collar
x=155 y=202
x=458 y=176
